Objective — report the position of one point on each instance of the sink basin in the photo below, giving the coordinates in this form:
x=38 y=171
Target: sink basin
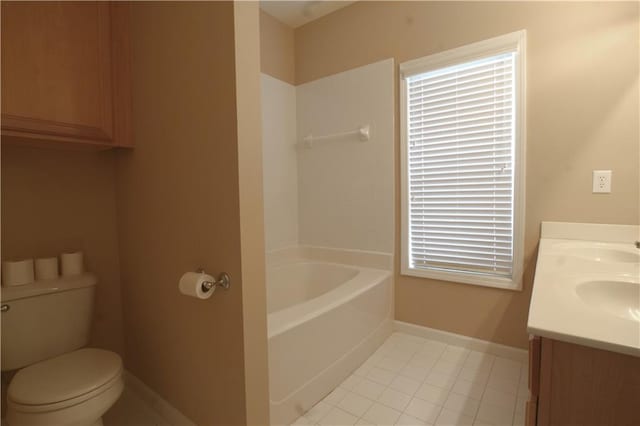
x=619 y=298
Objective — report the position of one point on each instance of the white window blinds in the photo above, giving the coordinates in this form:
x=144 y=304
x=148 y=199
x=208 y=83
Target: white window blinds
x=460 y=140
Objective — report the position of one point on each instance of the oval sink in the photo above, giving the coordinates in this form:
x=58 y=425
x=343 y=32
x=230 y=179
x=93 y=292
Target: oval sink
x=619 y=298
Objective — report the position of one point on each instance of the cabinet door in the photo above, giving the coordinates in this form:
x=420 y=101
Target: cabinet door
x=534 y=380
x=535 y=349
x=531 y=413
x=580 y=385
x=56 y=70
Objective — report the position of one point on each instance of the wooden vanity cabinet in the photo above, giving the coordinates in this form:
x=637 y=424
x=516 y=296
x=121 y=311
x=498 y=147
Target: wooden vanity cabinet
x=572 y=384
x=66 y=73
x=531 y=408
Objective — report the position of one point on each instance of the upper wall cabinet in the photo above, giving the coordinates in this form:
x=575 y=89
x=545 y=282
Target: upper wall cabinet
x=66 y=73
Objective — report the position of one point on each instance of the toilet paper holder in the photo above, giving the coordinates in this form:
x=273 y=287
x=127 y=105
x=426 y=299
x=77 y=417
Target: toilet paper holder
x=224 y=281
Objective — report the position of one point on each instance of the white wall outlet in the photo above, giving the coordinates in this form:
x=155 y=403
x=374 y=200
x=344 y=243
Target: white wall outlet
x=602 y=181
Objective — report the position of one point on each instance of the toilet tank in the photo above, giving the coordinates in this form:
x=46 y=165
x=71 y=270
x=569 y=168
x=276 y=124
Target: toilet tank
x=45 y=319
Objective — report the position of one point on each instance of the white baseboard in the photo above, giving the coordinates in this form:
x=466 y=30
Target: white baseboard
x=497 y=349
x=155 y=401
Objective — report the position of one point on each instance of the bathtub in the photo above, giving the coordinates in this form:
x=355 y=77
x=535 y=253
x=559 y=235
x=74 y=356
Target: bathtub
x=326 y=315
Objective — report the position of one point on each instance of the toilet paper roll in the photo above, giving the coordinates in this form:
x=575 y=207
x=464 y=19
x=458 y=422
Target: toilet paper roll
x=191 y=285
x=18 y=272
x=71 y=264
x=47 y=268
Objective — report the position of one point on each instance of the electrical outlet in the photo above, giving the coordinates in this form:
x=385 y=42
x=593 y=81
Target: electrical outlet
x=602 y=181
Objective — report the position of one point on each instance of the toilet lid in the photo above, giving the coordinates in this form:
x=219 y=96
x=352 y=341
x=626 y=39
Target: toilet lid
x=64 y=377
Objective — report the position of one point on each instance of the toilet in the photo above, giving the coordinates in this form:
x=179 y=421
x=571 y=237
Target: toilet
x=45 y=328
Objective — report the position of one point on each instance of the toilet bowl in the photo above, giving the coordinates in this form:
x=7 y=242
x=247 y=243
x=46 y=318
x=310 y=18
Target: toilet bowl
x=74 y=389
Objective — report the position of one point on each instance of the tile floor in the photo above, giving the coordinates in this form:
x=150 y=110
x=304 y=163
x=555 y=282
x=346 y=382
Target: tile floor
x=414 y=381
x=131 y=410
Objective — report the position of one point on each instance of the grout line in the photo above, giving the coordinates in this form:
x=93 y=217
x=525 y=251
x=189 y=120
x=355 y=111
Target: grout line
x=484 y=389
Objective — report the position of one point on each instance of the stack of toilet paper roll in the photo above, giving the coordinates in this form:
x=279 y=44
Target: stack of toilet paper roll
x=25 y=271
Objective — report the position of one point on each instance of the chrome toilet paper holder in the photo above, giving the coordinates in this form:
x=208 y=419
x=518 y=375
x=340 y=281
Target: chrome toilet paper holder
x=223 y=280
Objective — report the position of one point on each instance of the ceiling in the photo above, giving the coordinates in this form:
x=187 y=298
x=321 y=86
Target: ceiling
x=298 y=13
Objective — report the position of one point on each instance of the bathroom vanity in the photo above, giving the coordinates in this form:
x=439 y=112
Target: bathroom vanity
x=580 y=385
x=584 y=321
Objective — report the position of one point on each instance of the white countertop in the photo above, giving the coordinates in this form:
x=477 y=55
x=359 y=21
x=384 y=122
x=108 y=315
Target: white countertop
x=587 y=286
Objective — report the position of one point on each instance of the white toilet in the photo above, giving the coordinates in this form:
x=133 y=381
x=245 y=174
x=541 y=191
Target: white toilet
x=44 y=327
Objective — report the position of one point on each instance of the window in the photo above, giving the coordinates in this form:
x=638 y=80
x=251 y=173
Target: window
x=463 y=145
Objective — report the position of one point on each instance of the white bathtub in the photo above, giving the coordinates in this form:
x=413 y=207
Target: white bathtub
x=325 y=318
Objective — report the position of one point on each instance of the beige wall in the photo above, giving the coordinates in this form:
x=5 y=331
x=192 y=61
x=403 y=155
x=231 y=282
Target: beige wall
x=179 y=201
x=55 y=201
x=252 y=244
x=189 y=195
x=276 y=49
x=582 y=112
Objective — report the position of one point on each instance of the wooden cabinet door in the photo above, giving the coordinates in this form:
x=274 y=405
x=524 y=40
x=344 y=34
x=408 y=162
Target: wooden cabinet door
x=580 y=385
x=56 y=70
x=535 y=349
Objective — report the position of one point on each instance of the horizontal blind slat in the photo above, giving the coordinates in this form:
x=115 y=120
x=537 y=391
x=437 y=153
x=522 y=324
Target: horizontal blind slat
x=417 y=183
x=470 y=249
x=461 y=152
x=462 y=135
x=453 y=211
x=439 y=239
x=471 y=225
x=486 y=124
x=424 y=168
x=464 y=215
x=452 y=184
x=426 y=152
x=504 y=191
x=461 y=234
x=455 y=169
x=470 y=160
x=418 y=142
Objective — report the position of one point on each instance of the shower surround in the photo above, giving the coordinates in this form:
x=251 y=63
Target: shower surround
x=329 y=224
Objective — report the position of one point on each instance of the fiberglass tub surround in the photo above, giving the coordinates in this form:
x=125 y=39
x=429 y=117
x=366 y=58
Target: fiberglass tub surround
x=587 y=286
x=328 y=229
x=328 y=311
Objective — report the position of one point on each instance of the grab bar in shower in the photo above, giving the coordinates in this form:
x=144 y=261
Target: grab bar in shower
x=363 y=133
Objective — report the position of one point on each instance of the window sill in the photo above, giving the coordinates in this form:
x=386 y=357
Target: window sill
x=460 y=278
